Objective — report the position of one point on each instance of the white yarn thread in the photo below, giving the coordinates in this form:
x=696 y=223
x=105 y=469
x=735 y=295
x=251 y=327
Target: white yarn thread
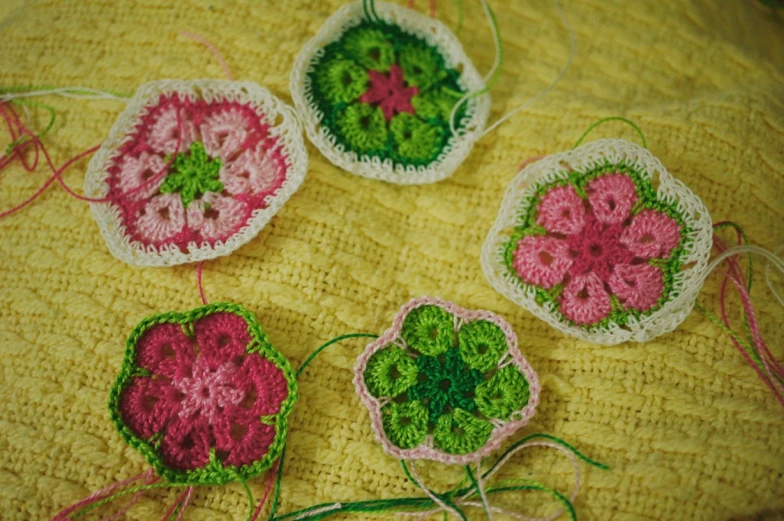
x=65 y=92
x=772 y=257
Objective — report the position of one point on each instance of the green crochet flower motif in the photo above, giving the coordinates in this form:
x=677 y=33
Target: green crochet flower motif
x=385 y=93
x=192 y=174
x=447 y=375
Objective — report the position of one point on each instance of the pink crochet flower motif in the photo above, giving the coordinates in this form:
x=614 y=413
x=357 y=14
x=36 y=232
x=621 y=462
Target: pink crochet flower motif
x=206 y=389
x=194 y=171
x=597 y=248
x=390 y=92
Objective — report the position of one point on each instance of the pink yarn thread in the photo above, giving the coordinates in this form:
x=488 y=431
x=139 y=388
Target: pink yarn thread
x=103 y=494
x=212 y=49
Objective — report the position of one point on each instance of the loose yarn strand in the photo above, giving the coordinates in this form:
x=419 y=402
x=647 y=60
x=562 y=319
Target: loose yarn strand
x=15 y=92
x=214 y=50
x=546 y=90
x=613 y=118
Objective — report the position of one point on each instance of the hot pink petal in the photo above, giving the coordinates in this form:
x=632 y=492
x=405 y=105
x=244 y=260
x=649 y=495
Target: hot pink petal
x=217 y=217
x=597 y=249
x=147 y=404
x=163 y=136
x=147 y=170
x=243 y=437
x=637 y=286
x=208 y=391
x=222 y=338
x=257 y=172
x=584 y=300
x=186 y=443
x=162 y=218
x=225 y=133
x=612 y=197
x=263 y=385
x=541 y=261
x=390 y=92
x=561 y=210
x=651 y=234
x=165 y=350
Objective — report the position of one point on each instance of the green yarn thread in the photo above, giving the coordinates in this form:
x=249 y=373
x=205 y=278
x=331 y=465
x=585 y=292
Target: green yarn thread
x=192 y=174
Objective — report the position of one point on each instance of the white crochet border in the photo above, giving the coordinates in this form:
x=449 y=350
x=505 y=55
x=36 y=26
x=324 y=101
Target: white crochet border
x=284 y=126
x=434 y=33
x=687 y=283
x=427 y=450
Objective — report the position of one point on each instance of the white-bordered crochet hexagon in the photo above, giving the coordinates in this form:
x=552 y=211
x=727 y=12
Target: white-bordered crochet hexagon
x=434 y=33
x=283 y=126
x=687 y=283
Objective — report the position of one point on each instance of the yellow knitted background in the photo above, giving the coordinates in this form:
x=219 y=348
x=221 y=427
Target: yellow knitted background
x=688 y=429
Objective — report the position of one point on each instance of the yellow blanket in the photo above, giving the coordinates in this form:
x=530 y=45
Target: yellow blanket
x=687 y=428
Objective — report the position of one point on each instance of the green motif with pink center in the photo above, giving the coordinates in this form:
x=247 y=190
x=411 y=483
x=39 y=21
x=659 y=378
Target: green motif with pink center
x=385 y=93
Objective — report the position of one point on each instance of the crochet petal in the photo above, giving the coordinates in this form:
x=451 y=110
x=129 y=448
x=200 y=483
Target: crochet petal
x=541 y=261
x=651 y=234
x=186 y=444
x=561 y=210
x=241 y=437
x=147 y=404
x=638 y=286
x=263 y=385
x=217 y=217
x=225 y=133
x=584 y=300
x=222 y=338
x=165 y=350
x=162 y=218
x=612 y=197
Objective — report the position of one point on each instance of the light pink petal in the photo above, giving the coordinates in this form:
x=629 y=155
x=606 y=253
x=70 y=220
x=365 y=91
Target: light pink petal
x=263 y=385
x=561 y=210
x=612 y=197
x=165 y=350
x=584 y=300
x=217 y=217
x=637 y=286
x=651 y=234
x=225 y=133
x=146 y=405
x=186 y=444
x=147 y=171
x=255 y=172
x=242 y=437
x=541 y=261
x=222 y=338
x=162 y=218
x=166 y=128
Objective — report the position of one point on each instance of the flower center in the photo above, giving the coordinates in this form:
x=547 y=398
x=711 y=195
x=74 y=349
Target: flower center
x=192 y=174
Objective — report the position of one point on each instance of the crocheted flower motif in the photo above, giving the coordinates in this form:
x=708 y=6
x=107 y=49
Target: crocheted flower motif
x=445 y=383
x=203 y=395
x=193 y=170
x=377 y=95
x=595 y=246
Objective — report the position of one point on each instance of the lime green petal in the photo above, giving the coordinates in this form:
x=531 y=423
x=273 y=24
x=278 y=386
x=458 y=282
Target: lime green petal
x=414 y=140
x=482 y=344
x=422 y=65
x=341 y=81
x=461 y=432
x=390 y=372
x=429 y=330
x=506 y=392
x=363 y=127
x=436 y=105
x=405 y=424
x=369 y=47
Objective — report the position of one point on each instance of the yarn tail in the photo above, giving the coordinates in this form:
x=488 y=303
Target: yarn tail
x=105 y=495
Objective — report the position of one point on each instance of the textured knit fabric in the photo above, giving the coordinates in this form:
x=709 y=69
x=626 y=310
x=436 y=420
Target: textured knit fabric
x=688 y=429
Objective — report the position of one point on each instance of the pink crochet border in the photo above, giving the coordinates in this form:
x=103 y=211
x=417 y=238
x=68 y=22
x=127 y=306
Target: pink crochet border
x=393 y=334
